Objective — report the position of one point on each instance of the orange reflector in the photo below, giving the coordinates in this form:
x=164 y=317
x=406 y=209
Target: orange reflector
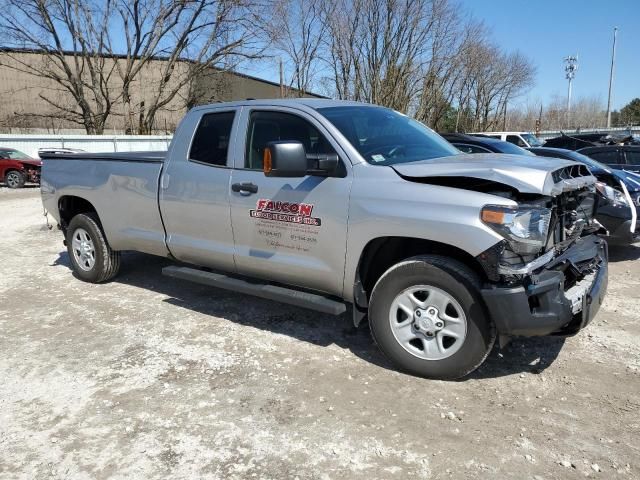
x=491 y=216
x=266 y=161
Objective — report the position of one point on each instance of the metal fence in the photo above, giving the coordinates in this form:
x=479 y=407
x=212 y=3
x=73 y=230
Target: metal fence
x=30 y=144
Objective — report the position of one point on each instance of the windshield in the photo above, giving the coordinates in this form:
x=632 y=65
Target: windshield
x=14 y=154
x=531 y=139
x=506 y=147
x=386 y=137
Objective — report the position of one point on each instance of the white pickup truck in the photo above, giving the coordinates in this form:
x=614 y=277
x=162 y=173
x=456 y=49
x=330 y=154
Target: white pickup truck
x=328 y=205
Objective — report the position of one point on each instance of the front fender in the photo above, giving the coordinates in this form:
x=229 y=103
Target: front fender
x=383 y=204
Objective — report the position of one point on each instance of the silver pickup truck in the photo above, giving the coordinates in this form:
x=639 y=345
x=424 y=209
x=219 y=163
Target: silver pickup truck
x=327 y=205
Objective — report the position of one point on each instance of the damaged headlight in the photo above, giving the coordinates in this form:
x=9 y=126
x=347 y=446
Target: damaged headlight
x=616 y=197
x=525 y=228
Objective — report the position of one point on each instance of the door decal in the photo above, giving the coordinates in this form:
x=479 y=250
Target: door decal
x=286 y=226
x=287 y=212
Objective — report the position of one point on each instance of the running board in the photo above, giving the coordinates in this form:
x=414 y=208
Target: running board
x=308 y=300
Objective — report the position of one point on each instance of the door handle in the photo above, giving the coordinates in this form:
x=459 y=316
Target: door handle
x=164 y=181
x=244 y=188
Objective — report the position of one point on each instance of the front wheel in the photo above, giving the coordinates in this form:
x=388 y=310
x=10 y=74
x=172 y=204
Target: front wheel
x=426 y=316
x=15 y=179
x=92 y=258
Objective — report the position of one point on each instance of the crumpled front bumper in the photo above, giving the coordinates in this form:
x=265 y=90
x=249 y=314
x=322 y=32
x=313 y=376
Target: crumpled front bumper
x=541 y=306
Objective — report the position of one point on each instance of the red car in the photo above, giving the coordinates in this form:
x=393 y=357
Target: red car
x=17 y=168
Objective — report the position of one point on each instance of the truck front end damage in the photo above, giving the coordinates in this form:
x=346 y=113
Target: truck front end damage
x=549 y=275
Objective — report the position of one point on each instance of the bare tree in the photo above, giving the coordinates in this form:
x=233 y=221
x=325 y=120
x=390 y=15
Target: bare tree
x=444 y=82
x=586 y=112
x=490 y=80
x=193 y=39
x=70 y=37
x=143 y=55
x=297 y=29
x=376 y=48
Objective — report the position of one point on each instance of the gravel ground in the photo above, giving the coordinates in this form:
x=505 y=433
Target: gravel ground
x=147 y=377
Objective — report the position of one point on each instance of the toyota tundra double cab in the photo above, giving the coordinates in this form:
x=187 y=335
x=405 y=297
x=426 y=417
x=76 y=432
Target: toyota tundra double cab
x=330 y=205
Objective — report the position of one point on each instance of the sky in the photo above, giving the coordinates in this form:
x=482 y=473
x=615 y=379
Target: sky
x=547 y=31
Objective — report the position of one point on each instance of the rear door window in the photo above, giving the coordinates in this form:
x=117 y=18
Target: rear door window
x=608 y=157
x=211 y=142
x=633 y=157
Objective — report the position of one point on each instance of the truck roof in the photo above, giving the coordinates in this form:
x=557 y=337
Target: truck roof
x=500 y=133
x=314 y=103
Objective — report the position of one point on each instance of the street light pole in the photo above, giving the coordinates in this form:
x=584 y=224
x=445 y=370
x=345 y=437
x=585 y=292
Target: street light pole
x=613 y=62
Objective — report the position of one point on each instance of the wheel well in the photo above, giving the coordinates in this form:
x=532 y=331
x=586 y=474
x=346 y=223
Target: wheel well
x=12 y=169
x=381 y=253
x=70 y=206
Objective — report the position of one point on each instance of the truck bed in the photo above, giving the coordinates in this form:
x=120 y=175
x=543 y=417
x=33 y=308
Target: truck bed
x=149 y=157
x=122 y=187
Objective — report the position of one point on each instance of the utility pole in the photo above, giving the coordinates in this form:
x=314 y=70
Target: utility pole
x=281 y=80
x=571 y=65
x=613 y=62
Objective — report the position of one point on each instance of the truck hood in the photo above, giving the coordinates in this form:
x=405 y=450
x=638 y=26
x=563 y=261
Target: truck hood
x=539 y=175
x=31 y=161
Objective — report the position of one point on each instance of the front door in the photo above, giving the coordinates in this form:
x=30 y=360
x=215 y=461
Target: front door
x=291 y=230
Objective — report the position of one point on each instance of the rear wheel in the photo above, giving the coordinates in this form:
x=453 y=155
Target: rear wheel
x=92 y=258
x=427 y=317
x=15 y=179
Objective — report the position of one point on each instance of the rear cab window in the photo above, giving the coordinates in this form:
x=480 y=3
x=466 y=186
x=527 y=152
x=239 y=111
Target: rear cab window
x=210 y=145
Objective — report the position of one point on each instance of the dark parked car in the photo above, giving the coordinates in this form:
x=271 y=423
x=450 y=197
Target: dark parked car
x=481 y=144
x=619 y=194
x=17 y=168
x=626 y=157
x=583 y=140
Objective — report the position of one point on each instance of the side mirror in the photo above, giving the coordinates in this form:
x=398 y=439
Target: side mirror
x=284 y=159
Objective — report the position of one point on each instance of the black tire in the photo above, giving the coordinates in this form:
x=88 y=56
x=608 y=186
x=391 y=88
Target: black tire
x=107 y=261
x=459 y=282
x=15 y=179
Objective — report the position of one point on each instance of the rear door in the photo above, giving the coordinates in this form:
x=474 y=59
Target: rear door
x=291 y=230
x=632 y=159
x=194 y=189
